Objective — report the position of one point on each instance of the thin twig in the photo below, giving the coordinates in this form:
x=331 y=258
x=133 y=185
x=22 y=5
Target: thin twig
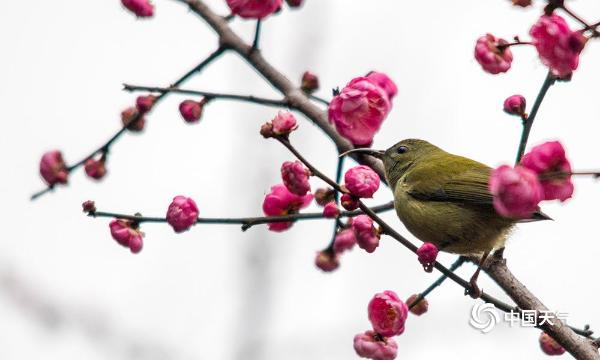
x=106 y=146
x=455 y=265
x=209 y=95
x=527 y=124
x=319 y=99
x=256 y=41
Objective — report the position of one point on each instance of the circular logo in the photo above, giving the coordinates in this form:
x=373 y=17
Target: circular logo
x=484 y=317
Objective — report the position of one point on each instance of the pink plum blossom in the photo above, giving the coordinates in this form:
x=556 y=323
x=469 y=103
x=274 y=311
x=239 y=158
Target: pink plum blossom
x=182 y=213
x=367 y=236
x=145 y=103
x=344 y=240
x=254 y=9
x=515 y=105
x=280 y=201
x=387 y=313
x=310 y=82
x=191 y=110
x=427 y=254
x=284 y=123
x=295 y=177
x=53 y=168
x=133 y=119
x=517 y=191
x=331 y=210
x=371 y=345
x=420 y=308
x=383 y=81
x=493 y=57
x=127 y=233
x=362 y=181
x=557 y=46
x=550 y=163
x=141 y=8
x=349 y=202
x=359 y=110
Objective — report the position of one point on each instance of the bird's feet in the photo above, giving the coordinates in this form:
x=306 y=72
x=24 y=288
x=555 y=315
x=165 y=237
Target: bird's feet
x=474 y=291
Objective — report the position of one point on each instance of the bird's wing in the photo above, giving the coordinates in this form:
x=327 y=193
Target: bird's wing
x=465 y=182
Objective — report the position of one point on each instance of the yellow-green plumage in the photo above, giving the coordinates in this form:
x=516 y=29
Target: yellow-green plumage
x=444 y=199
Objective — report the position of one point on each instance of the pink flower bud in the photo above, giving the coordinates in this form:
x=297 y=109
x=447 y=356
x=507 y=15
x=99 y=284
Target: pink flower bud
x=493 y=57
x=362 y=181
x=141 y=8
x=327 y=261
x=522 y=3
x=294 y=3
x=284 y=123
x=53 y=168
x=254 y=9
x=550 y=163
x=420 y=308
x=344 y=240
x=182 y=213
x=349 y=202
x=387 y=313
x=383 y=81
x=310 y=81
x=515 y=105
x=323 y=196
x=331 y=210
x=89 y=207
x=557 y=46
x=145 y=103
x=127 y=233
x=95 y=169
x=371 y=345
x=280 y=201
x=359 y=110
x=295 y=177
x=550 y=346
x=266 y=130
x=191 y=110
x=367 y=236
x=516 y=191
x=133 y=119
x=427 y=254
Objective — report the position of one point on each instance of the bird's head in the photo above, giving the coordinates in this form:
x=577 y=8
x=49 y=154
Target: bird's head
x=400 y=157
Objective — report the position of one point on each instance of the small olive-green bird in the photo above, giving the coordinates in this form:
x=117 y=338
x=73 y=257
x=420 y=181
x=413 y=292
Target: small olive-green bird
x=444 y=199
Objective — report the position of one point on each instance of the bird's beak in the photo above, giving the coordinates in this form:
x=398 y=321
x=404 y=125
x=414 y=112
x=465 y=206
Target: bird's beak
x=376 y=153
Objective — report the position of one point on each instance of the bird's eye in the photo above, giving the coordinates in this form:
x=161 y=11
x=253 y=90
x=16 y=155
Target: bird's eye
x=402 y=150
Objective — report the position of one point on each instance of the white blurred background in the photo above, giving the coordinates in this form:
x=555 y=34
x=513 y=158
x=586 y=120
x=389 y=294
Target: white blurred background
x=68 y=291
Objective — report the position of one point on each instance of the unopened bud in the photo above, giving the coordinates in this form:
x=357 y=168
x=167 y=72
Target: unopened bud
x=310 y=82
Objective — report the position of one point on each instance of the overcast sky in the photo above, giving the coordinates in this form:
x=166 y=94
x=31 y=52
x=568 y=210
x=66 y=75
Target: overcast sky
x=68 y=291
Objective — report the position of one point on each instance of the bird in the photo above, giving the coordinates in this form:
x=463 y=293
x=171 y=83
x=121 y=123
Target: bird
x=444 y=199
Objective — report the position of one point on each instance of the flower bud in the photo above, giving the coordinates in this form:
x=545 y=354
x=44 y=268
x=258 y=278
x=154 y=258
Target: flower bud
x=145 y=103
x=127 y=234
x=331 y=210
x=349 y=202
x=522 y=3
x=420 y=308
x=191 y=110
x=95 y=169
x=295 y=177
x=284 y=123
x=367 y=236
x=266 y=130
x=53 y=168
x=310 y=81
x=254 y=9
x=89 y=207
x=516 y=191
x=550 y=346
x=327 y=261
x=344 y=240
x=141 y=8
x=323 y=196
x=515 y=105
x=371 y=345
x=387 y=313
x=362 y=181
x=427 y=254
x=133 y=119
x=492 y=54
x=182 y=213
x=294 y=3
